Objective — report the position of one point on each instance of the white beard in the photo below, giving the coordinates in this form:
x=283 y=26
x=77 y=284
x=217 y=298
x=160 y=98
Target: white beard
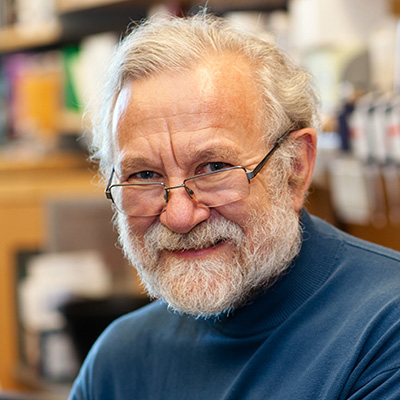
x=205 y=287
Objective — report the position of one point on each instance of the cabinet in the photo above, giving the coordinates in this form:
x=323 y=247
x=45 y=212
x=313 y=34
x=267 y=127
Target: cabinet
x=24 y=189
x=28 y=180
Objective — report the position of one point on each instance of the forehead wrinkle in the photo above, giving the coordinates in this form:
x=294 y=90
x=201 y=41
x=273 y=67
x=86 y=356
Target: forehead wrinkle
x=136 y=152
x=158 y=154
x=167 y=125
x=165 y=155
x=138 y=117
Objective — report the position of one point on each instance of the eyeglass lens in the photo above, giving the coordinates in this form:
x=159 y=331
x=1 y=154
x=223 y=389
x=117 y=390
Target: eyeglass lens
x=214 y=190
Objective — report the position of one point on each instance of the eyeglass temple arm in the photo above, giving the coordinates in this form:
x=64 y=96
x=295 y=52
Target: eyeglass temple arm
x=108 y=191
x=257 y=169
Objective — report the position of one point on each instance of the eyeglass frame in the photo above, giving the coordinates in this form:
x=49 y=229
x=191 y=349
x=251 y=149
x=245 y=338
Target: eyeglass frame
x=249 y=174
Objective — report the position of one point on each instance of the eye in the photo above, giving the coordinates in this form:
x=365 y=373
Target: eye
x=144 y=176
x=212 y=167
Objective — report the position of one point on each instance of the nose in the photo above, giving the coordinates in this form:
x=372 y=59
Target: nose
x=181 y=214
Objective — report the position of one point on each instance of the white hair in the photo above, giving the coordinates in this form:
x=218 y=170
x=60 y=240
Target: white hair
x=163 y=44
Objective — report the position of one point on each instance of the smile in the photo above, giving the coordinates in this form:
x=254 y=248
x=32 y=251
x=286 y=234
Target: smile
x=204 y=251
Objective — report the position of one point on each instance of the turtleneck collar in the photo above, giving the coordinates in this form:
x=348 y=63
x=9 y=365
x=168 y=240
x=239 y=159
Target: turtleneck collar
x=274 y=305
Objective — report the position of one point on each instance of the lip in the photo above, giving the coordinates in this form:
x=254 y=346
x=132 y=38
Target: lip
x=207 y=251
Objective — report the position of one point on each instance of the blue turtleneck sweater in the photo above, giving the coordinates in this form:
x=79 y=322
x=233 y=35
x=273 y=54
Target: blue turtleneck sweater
x=328 y=329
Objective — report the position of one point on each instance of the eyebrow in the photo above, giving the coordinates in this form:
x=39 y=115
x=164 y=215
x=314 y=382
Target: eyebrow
x=132 y=163
x=209 y=154
x=228 y=154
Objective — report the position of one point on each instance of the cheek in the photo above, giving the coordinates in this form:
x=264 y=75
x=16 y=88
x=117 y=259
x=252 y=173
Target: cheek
x=258 y=199
x=261 y=186
x=139 y=225
x=244 y=210
x=238 y=212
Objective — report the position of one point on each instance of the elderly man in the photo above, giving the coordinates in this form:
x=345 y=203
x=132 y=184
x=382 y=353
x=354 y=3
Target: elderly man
x=207 y=136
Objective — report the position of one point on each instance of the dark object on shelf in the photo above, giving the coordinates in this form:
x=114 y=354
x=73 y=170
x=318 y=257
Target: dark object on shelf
x=87 y=318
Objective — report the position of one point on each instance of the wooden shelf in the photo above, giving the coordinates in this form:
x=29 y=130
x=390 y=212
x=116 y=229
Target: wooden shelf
x=73 y=122
x=395 y=7
x=25 y=188
x=29 y=36
x=11 y=162
x=23 y=37
x=69 y=6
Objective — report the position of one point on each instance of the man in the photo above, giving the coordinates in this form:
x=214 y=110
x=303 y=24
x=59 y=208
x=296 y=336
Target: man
x=208 y=138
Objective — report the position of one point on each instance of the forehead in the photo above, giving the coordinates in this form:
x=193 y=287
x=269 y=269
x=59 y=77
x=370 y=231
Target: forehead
x=217 y=100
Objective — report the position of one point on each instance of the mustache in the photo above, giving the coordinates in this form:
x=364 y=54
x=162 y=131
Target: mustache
x=209 y=233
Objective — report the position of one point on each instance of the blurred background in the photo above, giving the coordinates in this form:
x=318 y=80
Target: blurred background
x=62 y=277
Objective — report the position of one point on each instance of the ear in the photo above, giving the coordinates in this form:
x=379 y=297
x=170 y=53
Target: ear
x=303 y=165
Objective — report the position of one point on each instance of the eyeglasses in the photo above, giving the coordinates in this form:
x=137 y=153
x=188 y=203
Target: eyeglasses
x=211 y=189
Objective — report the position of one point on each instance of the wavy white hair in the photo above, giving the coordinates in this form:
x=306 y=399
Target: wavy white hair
x=176 y=44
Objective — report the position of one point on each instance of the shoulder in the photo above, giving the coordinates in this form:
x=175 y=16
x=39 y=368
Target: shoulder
x=135 y=335
x=356 y=270
x=137 y=326
x=367 y=251
x=115 y=360
x=358 y=303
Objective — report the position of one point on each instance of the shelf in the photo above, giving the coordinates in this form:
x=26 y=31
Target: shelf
x=23 y=37
x=73 y=122
x=75 y=19
x=48 y=391
x=395 y=7
x=70 y=6
x=222 y=6
x=86 y=15
x=13 y=162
